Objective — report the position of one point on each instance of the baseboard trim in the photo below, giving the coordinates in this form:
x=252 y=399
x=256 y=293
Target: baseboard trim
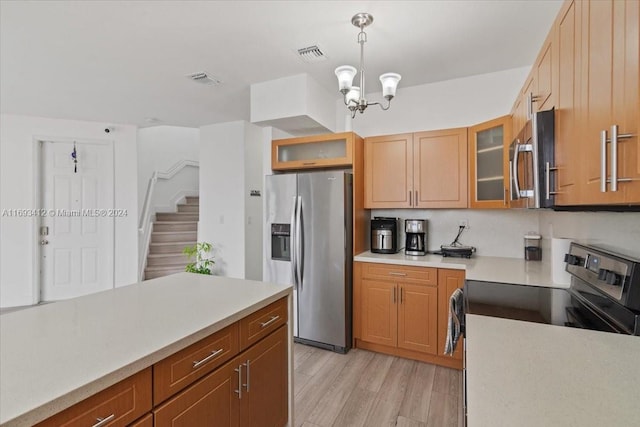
x=446 y=361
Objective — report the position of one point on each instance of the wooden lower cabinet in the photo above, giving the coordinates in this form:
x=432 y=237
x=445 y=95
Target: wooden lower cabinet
x=209 y=383
x=399 y=310
x=250 y=390
x=146 y=421
x=418 y=318
x=209 y=402
x=379 y=312
x=448 y=282
x=118 y=405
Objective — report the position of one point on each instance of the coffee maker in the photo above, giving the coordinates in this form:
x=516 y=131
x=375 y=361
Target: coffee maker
x=416 y=236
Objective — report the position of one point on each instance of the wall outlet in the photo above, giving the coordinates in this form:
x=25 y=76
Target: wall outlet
x=464 y=223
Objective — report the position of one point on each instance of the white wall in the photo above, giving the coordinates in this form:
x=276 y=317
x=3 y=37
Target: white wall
x=442 y=105
x=161 y=147
x=18 y=191
x=225 y=153
x=254 y=179
x=618 y=231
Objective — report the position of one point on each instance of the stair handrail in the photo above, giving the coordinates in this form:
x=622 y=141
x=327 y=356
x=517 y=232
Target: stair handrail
x=145 y=216
x=170 y=173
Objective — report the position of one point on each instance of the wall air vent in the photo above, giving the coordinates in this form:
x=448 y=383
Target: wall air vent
x=311 y=54
x=203 y=78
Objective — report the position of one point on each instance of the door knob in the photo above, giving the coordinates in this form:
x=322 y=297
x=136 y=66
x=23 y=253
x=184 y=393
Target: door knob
x=44 y=242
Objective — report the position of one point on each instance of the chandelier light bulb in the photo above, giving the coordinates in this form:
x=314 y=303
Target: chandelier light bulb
x=389 y=84
x=353 y=95
x=345 y=74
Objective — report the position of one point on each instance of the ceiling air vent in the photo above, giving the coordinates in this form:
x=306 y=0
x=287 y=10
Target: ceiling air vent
x=203 y=78
x=311 y=54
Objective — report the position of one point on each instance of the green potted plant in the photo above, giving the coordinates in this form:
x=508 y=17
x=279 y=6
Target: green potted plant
x=202 y=259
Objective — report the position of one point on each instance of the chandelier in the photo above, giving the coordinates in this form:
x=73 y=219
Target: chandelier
x=354 y=95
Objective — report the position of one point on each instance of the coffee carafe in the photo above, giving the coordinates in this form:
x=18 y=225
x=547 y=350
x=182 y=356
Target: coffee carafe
x=416 y=236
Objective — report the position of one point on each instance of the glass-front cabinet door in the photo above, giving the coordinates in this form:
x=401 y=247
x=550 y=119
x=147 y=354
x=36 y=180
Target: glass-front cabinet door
x=489 y=163
x=318 y=151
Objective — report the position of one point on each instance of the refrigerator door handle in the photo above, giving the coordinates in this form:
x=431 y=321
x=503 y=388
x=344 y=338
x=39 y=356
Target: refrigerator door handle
x=299 y=243
x=292 y=245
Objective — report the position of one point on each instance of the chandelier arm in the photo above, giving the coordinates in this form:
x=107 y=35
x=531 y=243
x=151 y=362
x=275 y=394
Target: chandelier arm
x=382 y=106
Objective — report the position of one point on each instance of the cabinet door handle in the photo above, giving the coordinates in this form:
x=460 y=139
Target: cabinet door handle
x=410 y=192
x=416 y=197
x=603 y=161
x=615 y=137
x=401 y=295
x=393 y=273
x=197 y=363
x=394 y=295
x=239 y=390
x=270 y=321
x=103 y=421
x=248 y=383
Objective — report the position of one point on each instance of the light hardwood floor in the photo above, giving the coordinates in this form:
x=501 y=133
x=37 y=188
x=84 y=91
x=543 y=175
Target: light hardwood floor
x=368 y=389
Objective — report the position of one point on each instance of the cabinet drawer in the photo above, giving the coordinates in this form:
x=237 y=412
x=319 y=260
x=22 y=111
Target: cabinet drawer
x=177 y=371
x=261 y=323
x=118 y=405
x=401 y=273
x=144 y=421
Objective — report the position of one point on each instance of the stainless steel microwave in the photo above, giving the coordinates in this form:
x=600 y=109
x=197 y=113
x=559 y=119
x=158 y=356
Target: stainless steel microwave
x=532 y=168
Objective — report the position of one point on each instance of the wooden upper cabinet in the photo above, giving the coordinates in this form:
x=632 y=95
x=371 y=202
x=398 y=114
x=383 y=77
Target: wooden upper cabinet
x=567 y=131
x=421 y=170
x=318 y=151
x=440 y=169
x=610 y=97
x=388 y=171
x=544 y=75
x=489 y=163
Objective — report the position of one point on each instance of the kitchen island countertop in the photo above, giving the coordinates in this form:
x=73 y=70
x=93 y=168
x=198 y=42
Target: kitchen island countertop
x=484 y=269
x=55 y=355
x=529 y=374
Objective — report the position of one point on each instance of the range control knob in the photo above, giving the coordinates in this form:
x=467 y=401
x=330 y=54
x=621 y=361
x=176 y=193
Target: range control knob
x=610 y=277
x=602 y=274
x=573 y=259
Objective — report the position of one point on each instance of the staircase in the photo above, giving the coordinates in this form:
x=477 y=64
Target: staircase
x=171 y=233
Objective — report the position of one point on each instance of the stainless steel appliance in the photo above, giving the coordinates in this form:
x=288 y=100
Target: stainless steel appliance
x=604 y=294
x=308 y=242
x=385 y=235
x=416 y=236
x=605 y=290
x=532 y=162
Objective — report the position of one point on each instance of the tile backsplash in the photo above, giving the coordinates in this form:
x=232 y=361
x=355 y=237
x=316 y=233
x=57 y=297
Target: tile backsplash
x=501 y=232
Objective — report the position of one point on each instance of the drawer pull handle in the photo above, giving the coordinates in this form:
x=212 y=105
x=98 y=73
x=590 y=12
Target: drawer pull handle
x=270 y=321
x=103 y=421
x=197 y=363
x=393 y=273
x=308 y=163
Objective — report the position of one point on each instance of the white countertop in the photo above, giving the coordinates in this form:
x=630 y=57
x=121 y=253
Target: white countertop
x=55 y=355
x=485 y=269
x=529 y=374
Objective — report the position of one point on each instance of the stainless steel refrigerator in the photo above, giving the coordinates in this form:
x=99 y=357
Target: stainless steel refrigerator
x=308 y=243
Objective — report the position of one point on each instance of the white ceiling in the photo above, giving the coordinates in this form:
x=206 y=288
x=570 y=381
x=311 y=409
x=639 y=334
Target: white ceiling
x=124 y=61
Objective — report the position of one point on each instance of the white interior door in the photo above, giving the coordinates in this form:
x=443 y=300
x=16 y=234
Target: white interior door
x=77 y=233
